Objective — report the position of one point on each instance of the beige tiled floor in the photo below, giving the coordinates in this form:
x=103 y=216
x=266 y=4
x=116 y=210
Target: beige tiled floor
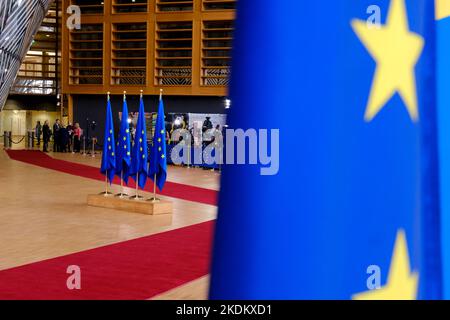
x=43 y=214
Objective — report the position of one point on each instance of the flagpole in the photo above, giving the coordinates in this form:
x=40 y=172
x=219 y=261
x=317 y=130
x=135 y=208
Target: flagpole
x=137 y=186
x=154 y=188
x=106 y=193
x=122 y=193
x=106 y=176
x=137 y=173
x=154 y=199
x=106 y=183
x=137 y=197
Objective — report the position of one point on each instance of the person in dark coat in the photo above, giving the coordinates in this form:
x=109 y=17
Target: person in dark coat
x=207 y=124
x=63 y=139
x=46 y=134
x=70 y=146
x=38 y=132
x=206 y=138
x=56 y=136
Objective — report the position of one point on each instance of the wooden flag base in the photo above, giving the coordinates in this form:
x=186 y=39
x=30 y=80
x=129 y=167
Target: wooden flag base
x=126 y=204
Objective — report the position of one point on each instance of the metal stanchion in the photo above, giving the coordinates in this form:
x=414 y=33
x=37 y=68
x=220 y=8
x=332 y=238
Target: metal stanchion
x=220 y=159
x=6 y=142
x=189 y=155
x=84 y=146
x=73 y=144
x=29 y=140
x=93 y=147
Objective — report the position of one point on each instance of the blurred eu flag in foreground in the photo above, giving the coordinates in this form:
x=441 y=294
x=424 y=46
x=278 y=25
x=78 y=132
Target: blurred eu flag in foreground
x=355 y=204
x=158 y=162
x=123 y=154
x=139 y=152
x=108 y=156
x=443 y=61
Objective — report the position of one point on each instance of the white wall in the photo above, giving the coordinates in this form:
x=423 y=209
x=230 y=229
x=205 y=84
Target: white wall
x=19 y=121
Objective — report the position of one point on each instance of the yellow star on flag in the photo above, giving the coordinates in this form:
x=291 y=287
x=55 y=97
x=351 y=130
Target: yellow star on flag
x=162 y=156
x=396 y=51
x=442 y=9
x=401 y=283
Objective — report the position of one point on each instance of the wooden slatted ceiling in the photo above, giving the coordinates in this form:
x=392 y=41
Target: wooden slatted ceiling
x=216 y=52
x=174 y=5
x=185 y=49
x=129 y=6
x=86 y=55
x=174 y=53
x=219 y=4
x=90 y=6
x=129 y=54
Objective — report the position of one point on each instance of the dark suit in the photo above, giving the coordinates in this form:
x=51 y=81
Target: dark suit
x=46 y=134
x=56 y=138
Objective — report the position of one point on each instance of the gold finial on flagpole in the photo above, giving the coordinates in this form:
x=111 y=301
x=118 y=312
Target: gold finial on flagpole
x=124 y=95
x=160 y=93
x=108 y=93
x=142 y=93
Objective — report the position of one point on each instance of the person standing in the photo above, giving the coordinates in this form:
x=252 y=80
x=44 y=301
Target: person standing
x=77 y=133
x=207 y=132
x=46 y=134
x=38 y=132
x=63 y=139
x=207 y=125
x=56 y=136
x=70 y=131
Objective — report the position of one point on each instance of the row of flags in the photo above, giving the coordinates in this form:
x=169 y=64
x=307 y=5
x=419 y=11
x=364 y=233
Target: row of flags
x=354 y=211
x=126 y=159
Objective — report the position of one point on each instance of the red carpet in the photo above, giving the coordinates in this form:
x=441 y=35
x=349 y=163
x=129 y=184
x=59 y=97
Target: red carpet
x=135 y=269
x=171 y=189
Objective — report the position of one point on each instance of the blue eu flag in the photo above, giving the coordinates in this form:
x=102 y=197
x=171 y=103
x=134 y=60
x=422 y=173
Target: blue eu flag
x=443 y=61
x=353 y=202
x=158 y=161
x=139 y=153
x=123 y=152
x=109 y=157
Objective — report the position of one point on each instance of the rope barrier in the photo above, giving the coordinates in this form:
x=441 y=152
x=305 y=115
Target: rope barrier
x=20 y=141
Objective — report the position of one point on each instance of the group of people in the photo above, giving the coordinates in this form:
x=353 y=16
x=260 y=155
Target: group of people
x=65 y=139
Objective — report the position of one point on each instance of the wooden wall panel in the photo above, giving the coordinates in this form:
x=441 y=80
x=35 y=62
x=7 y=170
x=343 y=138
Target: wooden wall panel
x=155 y=11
